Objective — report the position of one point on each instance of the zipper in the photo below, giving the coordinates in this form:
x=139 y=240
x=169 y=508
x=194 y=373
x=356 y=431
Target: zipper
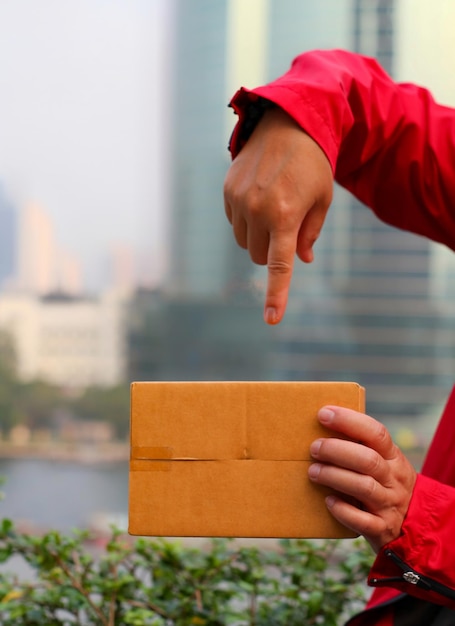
x=412 y=577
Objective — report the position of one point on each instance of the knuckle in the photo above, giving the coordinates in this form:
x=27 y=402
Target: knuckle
x=255 y=200
x=368 y=527
x=234 y=196
x=395 y=452
x=277 y=266
x=373 y=464
x=369 y=487
x=229 y=184
x=251 y=200
x=257 y=193
x=284 y=215
x=382 y=435
x=387 y=531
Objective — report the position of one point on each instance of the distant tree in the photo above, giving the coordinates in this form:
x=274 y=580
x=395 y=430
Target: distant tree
x=7 y=355
x=37 y=403
x=8 y=382
x=109 y=404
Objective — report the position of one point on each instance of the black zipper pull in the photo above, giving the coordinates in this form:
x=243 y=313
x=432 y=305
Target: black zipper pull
x=412 y=577
x=409 y=575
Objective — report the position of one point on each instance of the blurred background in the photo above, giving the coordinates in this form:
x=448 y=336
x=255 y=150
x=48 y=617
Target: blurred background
x=118 y=264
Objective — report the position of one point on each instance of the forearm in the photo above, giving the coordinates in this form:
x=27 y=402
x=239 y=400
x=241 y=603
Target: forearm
x=391 y=145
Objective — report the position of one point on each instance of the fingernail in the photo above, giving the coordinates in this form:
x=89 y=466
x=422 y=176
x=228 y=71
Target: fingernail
x=330 y=501
x=315 y=446
x=271 y=315
x=314 y=470
x=326 y=416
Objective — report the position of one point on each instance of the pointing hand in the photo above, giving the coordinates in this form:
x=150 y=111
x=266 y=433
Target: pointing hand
x=277 y=193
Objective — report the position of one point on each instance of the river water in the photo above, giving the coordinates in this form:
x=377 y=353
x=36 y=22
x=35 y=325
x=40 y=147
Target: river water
x=63 y=496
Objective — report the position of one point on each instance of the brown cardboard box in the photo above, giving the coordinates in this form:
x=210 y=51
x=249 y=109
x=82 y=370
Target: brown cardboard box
x=230 y=459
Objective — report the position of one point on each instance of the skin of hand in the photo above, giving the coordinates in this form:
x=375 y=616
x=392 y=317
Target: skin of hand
x=368 y=469
x=276 y=196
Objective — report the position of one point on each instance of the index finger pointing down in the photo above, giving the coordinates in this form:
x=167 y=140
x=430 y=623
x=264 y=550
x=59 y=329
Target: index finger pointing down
x=280 y=264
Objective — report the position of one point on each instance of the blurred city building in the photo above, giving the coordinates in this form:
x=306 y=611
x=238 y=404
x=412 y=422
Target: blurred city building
x=43 y=265
x=375 y=307
x=70 y=342
x=8 y=238
x=377 y=304
x=59 y=336
x=206 y=322
x=122 y=268
x=69 y=273
x=173 y=338
x=200 y=247
x=37 y=267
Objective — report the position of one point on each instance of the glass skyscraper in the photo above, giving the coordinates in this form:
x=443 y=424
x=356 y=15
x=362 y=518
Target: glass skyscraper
x=198 y=228
x=8 y=238
x=369 y=309
x=373 y=306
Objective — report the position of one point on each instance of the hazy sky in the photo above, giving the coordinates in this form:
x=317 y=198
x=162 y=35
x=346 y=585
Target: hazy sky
x=80 y=117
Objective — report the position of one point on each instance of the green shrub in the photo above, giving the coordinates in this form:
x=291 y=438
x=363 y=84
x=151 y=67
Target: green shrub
x=162 y=583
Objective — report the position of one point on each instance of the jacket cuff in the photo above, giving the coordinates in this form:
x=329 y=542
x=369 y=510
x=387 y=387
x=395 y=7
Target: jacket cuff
x=250 y=105
x=250 y=108
x=421 y=561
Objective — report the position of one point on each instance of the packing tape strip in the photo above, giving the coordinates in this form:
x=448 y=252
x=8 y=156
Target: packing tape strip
x=151 y=453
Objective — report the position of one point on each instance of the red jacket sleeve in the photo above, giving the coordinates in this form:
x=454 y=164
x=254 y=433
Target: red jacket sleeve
x=390 y=144
x=421 y=561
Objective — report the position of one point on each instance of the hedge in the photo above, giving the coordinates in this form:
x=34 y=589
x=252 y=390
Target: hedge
x=158 y=582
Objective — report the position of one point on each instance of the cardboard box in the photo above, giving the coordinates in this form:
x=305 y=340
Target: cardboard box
x=230 y=459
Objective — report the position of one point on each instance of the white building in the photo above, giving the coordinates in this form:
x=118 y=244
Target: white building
x=69 y=342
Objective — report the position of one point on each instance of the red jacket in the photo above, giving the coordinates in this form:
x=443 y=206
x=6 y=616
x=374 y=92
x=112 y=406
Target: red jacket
x=393 y=147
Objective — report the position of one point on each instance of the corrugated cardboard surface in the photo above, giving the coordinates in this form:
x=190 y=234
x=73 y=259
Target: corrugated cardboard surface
x=230 y=459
